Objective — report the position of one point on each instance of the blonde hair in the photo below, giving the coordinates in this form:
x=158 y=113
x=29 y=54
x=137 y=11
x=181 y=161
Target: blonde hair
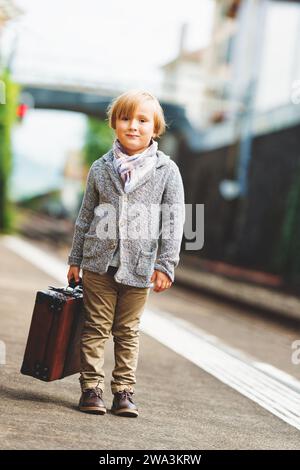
x=127 y=103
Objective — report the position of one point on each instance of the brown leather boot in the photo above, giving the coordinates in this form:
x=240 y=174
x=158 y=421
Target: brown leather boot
x=91 y=401
x=123 y=404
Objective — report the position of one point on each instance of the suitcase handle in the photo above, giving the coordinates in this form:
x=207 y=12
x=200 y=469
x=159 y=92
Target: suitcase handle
x=73 y=283
x=72 y=289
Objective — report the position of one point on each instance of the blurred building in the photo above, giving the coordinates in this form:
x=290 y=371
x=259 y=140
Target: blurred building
x=8 y=11
x=183 y=79
x=200 y=79
x=279 y=51
x=218 y=61
x=251 y=62
x=246 y=169
x=253 y=57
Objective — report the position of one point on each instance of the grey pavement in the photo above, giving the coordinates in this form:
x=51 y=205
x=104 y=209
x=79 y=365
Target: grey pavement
x=181 y=406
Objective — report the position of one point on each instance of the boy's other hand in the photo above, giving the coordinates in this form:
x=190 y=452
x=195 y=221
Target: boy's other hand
x=161 y=281
x=73 y=273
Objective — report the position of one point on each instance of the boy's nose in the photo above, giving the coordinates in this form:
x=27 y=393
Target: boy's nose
x=133 y=124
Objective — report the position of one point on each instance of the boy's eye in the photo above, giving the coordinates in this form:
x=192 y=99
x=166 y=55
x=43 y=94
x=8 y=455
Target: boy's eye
x=125 y=118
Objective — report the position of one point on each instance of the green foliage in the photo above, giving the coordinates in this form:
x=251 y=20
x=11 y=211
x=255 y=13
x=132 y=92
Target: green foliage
x=7 y=119
x=287 y=258
x=98 y=140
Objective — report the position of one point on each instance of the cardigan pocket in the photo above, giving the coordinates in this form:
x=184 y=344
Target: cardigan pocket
x=145 y=263
x=90 y=245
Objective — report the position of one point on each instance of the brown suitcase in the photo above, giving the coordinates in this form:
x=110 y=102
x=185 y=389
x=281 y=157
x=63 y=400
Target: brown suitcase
x=53 y=346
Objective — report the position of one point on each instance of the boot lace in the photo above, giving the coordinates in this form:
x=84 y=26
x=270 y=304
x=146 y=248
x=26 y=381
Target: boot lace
x=94 y=392
x=126 y=394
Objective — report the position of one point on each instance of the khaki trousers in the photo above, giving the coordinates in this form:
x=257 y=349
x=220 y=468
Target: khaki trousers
x=110 y=307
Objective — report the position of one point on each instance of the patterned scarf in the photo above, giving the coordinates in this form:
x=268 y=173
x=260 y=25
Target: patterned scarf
x=132 y=168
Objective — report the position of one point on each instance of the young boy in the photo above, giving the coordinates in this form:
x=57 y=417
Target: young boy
x=119 y=257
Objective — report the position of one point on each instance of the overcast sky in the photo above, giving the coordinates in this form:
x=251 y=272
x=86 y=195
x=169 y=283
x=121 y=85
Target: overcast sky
x=105 y=41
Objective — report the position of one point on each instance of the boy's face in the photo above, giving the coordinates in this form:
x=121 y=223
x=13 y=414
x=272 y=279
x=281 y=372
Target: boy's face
x=135 y=132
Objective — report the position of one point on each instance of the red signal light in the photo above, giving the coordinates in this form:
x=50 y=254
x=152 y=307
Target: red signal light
x=21 y=110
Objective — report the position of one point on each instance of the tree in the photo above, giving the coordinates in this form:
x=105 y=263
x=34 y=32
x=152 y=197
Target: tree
x=98 y=140
x=7 y=119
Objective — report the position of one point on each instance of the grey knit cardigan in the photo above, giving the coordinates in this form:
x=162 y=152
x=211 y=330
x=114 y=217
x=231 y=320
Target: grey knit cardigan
x=107 y=213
